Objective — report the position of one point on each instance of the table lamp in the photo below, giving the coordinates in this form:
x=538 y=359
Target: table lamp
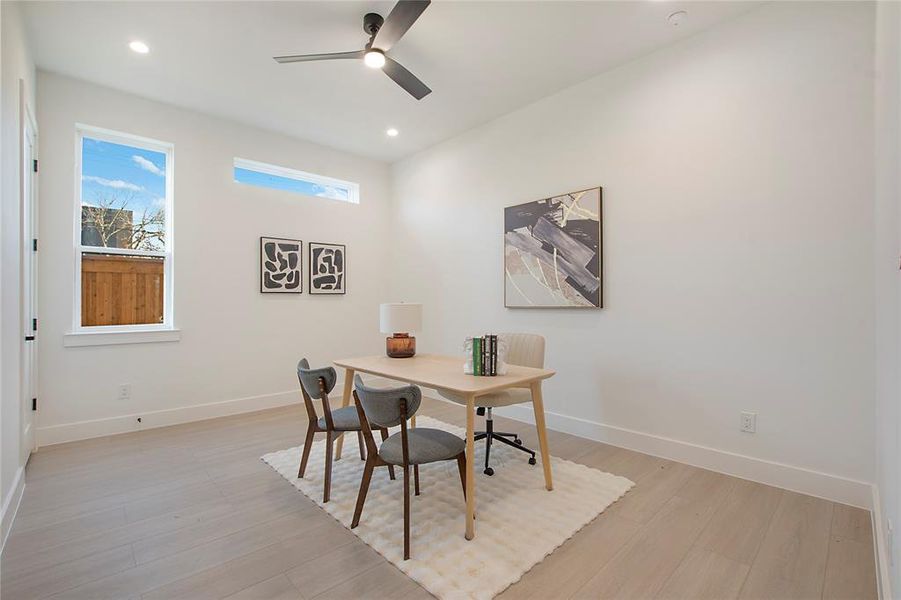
x=400 y=319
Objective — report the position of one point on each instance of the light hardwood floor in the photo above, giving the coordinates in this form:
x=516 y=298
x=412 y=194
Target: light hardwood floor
x=190 y=511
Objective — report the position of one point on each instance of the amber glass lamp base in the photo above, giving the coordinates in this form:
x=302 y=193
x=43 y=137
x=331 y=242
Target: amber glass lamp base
x=400 y=345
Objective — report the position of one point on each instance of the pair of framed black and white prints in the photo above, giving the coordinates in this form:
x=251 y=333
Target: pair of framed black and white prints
x=281 y=267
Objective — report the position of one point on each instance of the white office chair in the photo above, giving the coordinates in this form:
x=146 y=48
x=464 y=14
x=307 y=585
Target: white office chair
x=523 y=349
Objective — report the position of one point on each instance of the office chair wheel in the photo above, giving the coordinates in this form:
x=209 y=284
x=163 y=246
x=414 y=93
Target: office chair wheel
x=489 y=471
x=518 y=442
x=532 y=460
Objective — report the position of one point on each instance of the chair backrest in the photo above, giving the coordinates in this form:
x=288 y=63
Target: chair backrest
x=309 y=378
x=525 y=349
x=383 y=406
x=311 y=389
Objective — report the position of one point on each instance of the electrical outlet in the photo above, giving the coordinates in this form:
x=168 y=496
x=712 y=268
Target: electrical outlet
x=125 y=391
x=749 y=422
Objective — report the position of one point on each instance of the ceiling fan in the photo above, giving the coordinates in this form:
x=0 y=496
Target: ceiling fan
x=385 y=33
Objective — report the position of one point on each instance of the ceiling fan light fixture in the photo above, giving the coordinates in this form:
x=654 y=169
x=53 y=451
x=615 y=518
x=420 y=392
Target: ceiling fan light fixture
x=383 y=34
x=374 y=59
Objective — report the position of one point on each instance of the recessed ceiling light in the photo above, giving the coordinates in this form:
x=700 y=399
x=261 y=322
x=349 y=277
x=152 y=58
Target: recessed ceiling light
x=392 y=132
x=677 y=18
x=139 y=47
x=374 y=58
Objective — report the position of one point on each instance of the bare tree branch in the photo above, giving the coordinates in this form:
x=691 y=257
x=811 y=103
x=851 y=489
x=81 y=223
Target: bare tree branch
x=116 y=224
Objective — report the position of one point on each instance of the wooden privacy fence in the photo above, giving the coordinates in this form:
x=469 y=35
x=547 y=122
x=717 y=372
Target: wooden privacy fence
x=121 y=290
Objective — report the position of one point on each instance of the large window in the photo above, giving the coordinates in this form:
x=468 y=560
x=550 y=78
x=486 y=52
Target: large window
x=251 y=172
x=123 y=233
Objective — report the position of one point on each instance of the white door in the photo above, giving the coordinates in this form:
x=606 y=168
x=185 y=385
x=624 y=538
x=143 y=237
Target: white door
x=29 y=282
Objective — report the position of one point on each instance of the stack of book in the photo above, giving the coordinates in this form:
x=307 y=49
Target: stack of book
x=484 y=355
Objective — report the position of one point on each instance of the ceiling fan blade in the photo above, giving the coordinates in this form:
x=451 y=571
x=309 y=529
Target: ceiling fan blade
x=312 y=57
x=399 y=20
x=405 y=79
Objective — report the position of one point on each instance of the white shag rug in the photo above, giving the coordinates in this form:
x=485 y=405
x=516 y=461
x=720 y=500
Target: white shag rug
x=517 y=524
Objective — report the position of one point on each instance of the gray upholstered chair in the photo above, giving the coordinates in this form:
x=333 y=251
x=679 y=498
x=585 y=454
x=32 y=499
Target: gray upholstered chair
x=525 y=350
x=410 y=447
x=315 y=384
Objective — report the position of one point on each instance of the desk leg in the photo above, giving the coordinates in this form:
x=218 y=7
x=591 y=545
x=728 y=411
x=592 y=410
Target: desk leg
x=538 y=406
x=470 y=462
x=345 y=401
x=413 y=421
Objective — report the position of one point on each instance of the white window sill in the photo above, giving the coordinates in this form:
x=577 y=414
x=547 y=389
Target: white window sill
x=110 y=338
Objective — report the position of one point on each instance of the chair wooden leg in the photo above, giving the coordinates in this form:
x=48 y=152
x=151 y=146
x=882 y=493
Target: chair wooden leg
x=390 y=467
x=364 y=489
x=461 y=465
x=307 y=445
x=416 y=478
x=360 y=443
x=406 y=512
x=327 y=487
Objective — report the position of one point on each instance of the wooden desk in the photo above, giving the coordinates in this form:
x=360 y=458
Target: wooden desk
x=446 y=373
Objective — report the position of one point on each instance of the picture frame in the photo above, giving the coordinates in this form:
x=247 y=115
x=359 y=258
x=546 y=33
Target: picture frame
x=281 y=266
x=327 y=275
x=553 y=252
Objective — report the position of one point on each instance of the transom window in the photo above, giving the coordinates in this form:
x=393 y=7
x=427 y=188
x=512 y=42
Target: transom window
x=124 y=232
x=251 y=172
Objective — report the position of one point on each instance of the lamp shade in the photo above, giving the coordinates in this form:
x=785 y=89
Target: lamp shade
x=400 y=317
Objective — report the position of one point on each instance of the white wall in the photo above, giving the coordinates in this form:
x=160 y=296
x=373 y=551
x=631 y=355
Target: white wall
x=236 y=343
x=888 y=295
x=737 y=169
x=16 y=65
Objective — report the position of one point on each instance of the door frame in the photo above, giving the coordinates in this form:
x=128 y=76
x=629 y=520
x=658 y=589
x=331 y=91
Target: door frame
x=28 y=206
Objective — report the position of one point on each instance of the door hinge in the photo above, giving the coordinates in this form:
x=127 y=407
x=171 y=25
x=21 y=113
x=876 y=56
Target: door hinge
x=34 y=324
x=34 y=244
x=34 y=404
x=35 y=165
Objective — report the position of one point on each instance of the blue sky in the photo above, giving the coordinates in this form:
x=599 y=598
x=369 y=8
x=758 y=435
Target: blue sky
x=123 y=172
x=287 y=184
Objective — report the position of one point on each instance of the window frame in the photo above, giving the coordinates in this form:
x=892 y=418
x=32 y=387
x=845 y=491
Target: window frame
x=168 y=255
x=353 y=188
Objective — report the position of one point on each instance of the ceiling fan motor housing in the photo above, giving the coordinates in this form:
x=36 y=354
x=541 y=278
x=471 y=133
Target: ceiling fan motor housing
x=372 y=22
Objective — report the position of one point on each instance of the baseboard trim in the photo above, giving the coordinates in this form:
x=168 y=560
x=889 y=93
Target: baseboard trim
x=11 y=506
x=83 y=430
x=883 y=569
x=789 y=477
x=799 y=479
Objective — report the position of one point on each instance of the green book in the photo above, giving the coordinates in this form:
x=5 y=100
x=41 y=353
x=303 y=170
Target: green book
x=476 y=356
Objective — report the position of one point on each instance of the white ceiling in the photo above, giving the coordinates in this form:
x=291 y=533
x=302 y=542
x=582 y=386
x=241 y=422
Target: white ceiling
x=481 y=59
